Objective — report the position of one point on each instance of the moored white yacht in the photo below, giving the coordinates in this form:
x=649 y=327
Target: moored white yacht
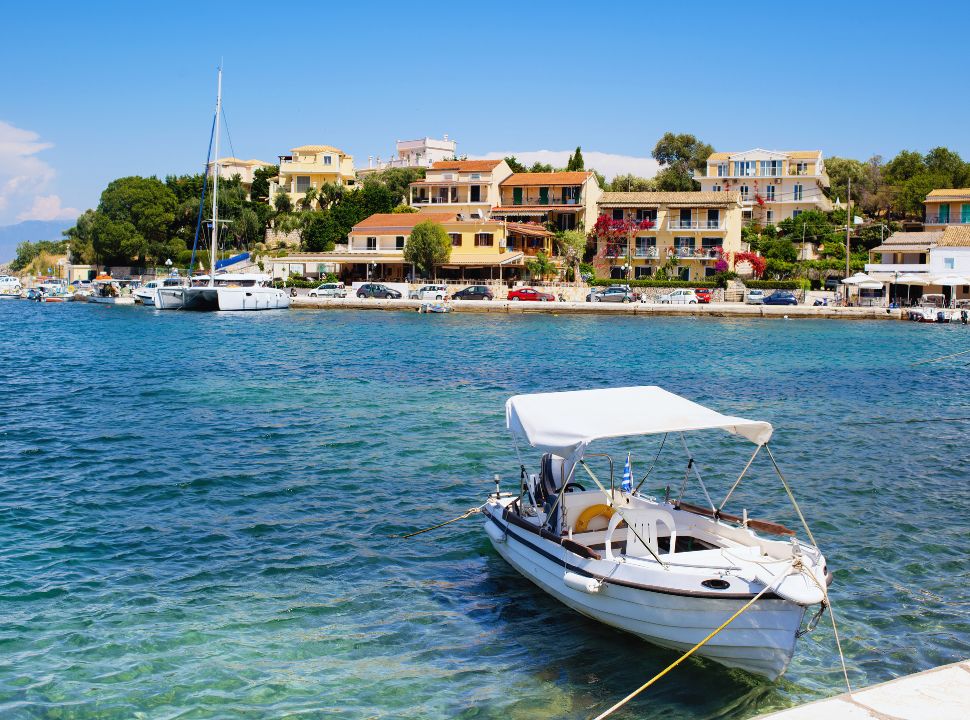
x=663 y=570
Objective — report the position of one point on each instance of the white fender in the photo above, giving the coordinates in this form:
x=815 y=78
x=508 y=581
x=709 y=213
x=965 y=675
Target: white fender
x=581 y=583
x=493 y=532
x=796 y=587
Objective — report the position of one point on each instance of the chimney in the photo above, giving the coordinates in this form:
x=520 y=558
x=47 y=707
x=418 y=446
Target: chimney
x=446 y=137
x=370 y=161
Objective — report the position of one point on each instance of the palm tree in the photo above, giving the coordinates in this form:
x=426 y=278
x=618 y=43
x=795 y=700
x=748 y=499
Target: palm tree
x=309 y=199
x=329 y=194
x=541 y=266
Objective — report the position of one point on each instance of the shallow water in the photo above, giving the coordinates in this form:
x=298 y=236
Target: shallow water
x=195 y=509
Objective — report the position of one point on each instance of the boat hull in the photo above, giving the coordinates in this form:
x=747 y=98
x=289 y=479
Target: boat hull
x=761 y=640
x=224 y=298
x=126 y=300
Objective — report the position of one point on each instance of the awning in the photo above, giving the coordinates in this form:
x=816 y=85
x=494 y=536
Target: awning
x=534 y=209
x=529 y=229
x=564 y=423
x=506 y=258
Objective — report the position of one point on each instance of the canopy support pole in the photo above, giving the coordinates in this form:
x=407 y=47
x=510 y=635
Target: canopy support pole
x=738 y=481
x=616 y=508
x=791 y=496
x=692 y=464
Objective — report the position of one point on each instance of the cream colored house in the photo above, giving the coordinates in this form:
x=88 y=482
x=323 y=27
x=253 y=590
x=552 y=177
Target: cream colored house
x=375 y=249
x=774 y=185
x=312 y=166
x=567 y=200
x=423 y=152
x=470 y=187
x=947 y=207
x=230 y=167
x=686 y=231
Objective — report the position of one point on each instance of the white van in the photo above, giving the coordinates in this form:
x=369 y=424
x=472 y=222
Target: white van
x=331 y=290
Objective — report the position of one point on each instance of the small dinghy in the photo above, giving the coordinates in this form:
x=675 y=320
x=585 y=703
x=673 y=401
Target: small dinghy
x=664 y=570
x=431 y=307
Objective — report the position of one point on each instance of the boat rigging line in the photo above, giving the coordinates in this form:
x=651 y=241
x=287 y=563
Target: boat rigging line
x=468 y=513
x=942 y=357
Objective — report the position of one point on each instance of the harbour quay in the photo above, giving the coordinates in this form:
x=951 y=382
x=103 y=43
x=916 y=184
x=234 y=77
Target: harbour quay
x=726 y=309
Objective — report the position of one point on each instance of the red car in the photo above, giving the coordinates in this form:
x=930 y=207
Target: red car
x=530 y=294
x=703 y=295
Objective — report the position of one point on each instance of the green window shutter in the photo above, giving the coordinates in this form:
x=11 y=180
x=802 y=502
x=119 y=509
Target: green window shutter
x=517 y=196
x=543 y=196
x=944 y=213
x=965 y=213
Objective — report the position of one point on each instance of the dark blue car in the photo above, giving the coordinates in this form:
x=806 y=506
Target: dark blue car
x=781 y=297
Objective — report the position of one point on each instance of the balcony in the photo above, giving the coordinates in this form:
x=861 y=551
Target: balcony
x=898 y=267
x=650 y=252
x=677 y=224
x=947 y=220
x=308 y=168
x=686 y=252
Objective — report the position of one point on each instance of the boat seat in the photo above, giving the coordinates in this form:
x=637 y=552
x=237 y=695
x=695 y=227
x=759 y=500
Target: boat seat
x=642 y=525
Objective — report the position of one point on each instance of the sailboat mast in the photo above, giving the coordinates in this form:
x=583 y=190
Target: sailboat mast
x=215 y=188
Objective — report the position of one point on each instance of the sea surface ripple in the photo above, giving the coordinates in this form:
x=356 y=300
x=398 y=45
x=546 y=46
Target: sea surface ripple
x=197 y=510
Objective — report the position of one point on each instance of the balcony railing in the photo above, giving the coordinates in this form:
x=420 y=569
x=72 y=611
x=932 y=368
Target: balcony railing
x=677 y=224
x=947 y=220
x=688 y=253
x=438 y=201
x=650 y=252
x=541 y=201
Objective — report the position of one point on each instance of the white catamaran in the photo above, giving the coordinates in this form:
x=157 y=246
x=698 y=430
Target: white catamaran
x=663 y=570
x=229 y=291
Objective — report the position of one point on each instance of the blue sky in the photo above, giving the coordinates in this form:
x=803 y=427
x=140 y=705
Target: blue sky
x=94 y=91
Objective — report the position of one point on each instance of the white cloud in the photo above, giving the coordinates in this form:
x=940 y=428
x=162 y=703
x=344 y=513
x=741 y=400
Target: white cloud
x=607 y=163
x=48 y=207
x=24 y=177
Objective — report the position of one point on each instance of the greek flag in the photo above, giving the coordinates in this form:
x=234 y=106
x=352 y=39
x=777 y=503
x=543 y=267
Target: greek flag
x=627 y=484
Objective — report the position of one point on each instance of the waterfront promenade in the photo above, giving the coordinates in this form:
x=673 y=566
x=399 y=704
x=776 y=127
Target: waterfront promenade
x=583 y=308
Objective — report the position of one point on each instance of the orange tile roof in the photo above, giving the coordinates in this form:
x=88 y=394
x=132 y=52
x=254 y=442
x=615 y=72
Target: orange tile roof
x=958 y=236
x=466 y=165
x=531 y=179
x=949 y=194
x=317 y=149
x=400 y=221
x=530 y=229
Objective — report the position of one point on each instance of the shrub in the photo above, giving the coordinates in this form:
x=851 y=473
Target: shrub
x=774 y=284
x=606 y=282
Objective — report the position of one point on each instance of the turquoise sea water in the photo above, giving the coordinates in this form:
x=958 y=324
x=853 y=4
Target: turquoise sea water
x=195 y=509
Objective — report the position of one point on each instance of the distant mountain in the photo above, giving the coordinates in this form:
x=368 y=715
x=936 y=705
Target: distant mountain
x=32 y=230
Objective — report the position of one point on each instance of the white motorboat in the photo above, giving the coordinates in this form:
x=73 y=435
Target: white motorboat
x=664 y=570
x=106 y=290
x=10 y=287
x=147 y=294
x=228 y=291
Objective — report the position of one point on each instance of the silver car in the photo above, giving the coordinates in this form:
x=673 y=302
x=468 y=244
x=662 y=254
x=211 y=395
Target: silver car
x=614 y=293
x=331 y=290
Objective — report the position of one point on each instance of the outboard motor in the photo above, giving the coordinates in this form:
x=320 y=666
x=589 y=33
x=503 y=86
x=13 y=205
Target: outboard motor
x=964 y=317
x=940 y=316
x=550 y=481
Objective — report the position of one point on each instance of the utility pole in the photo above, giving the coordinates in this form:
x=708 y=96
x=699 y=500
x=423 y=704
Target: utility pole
x=848 y=229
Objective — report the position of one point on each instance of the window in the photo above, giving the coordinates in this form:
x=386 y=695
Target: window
x=543 y=196
x=484 y=240
x=770 y=193
x=328 y=159
x=771 y=216
x=797 y=193
x=646 y=247
x=476 y=176
x=801 y=168
x=650 y=215
x=722 y=169
x=302 y=183
x=710 y=271
x=617 y=213
x=372 y=243
x=475 y=194
x=643 y=271
x=517 y=196
x=965 y=213
x=455 y=239
x=770 y=168
x=399 y=242
x=746 y=215
x=715 y=188
x=745 y=168
x=745 y=195
x=796 y=213
x=944 y=214
x=683 y=273
x=713 y=218
x=711 y=243
x=948 y=263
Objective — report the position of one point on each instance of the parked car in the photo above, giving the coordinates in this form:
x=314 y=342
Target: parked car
x=528 y=293
x=755 y=297
x=473 y=292
x=703 y=295
x=614 y=293
x=684 y=296
x=332 y=290
x=781 y=297
x=833 y=283
x=376 y=290
x=430 y=292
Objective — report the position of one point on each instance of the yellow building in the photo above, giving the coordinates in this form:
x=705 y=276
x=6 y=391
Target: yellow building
x=685 y=231
x=312 y=166
x=774 y=185
x=479 y=248
x=567 y=200
x=947 y=207
x=229 y=167
x=464 y=186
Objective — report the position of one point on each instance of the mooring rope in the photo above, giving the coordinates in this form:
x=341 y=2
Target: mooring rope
x=942 y=357
x=467 y=513
x=690 y=652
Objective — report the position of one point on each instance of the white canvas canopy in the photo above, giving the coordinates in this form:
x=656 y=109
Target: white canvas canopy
x=564 y=423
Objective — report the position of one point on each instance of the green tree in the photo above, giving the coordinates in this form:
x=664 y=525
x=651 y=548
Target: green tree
x=631 y=183
x=515 y=165
x=308 y=200
x=576 y=161
x=944 y=162
x=282 y=202
x=80 y=239
x=427 y=247
x=259 y=192
x=398 y=181
x=540 y=167
x=144 y=210
x=572 y=247
x=317 y=231
x=680 y=155
x=905 y=165
x=540 y=266
x=404 y=209
x=841 y=170
x=116 y=242
x=247 y=228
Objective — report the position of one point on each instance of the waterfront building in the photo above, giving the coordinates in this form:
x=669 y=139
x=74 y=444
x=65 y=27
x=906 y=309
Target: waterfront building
x=230 y=167
x=469 y=187
x=688 y=233
x=480 y=249
x=930 y=254
x=947 y=207
x=564 y=200
x=312 y=166
x=774 y=184
x=424 y=152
